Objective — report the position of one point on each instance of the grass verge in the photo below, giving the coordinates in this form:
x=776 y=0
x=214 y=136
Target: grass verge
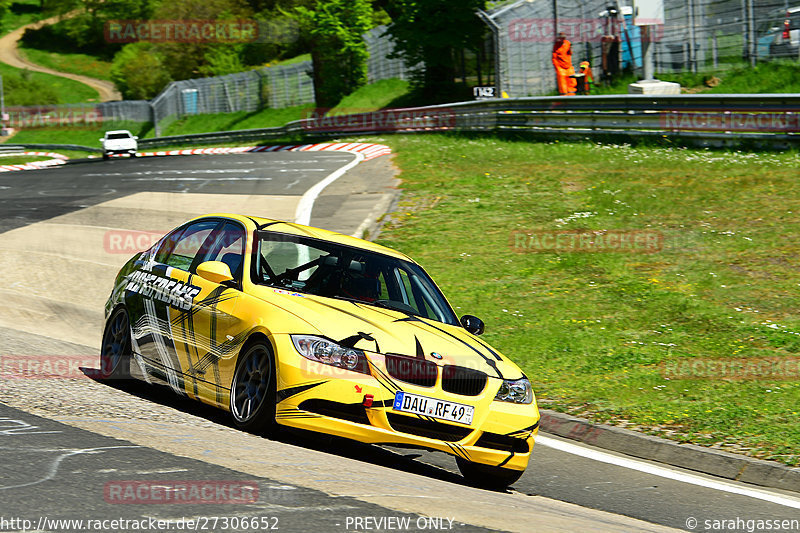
x=82 y=136
x=594 y=331
x=266 y=118
x=22 y=159
x=24 y=87
x=779 y=76
x=74 y=63
x=372 y=97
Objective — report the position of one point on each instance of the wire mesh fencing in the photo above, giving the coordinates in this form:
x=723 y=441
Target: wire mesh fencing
x=697 y=36
x=380 y=65
x=273 y=87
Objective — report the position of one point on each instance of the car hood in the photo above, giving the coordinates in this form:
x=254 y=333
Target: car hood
x=394 y=332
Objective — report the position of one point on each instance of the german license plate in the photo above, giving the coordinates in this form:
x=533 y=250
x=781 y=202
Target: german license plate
x=442 y=409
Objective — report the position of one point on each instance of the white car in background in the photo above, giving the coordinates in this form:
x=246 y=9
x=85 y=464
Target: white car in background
x=119 y=142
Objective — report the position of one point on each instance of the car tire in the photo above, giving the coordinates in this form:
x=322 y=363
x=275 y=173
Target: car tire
x=105 y=156
x=115 y=350
x=252 y=403
x=486 y=476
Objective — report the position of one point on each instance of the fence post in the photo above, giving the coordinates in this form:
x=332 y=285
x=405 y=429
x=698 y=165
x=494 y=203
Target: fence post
x=692 y=40
x=714 y=52
x=752 y=33
x=154 y=117
x=493 y=26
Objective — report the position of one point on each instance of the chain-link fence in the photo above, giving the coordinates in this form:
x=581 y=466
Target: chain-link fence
x=697 y=36
x=275 y=87
x=380 y=66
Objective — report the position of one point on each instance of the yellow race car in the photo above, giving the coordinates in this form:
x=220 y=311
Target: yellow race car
x=284 y=324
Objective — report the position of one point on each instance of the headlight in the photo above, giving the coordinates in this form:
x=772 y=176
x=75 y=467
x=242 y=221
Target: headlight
x=515 y=391
x=328 y=352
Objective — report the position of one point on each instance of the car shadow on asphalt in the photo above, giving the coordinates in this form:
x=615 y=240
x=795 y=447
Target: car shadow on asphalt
x=406 y=460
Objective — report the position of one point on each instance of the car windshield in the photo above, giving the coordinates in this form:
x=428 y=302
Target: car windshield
x=118 y=136
x=322 y=268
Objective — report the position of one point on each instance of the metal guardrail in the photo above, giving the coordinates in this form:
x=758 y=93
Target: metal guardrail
x=75 y=147
x=769 y=120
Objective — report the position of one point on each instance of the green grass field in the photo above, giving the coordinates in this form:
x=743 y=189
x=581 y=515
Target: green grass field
x=21 y=159
x=83 y=64
x=24 y=87
x=593 y=331
x=372 y=97
x=81 y=136
x=780 y=76
x=266 y=118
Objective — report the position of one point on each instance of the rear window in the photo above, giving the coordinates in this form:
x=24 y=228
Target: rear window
x=119 y=136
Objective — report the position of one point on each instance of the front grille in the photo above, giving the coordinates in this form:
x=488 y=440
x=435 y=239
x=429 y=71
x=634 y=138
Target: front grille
x=411 y=370
x=464 y=381
x=496 y=441
x=427 y=428
x=353 y=412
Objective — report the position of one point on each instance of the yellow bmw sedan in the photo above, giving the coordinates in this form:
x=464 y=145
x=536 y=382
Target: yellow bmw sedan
x=288 y=325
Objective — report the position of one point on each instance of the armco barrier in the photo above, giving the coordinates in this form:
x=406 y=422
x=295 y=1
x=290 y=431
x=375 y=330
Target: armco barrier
x=769 y=120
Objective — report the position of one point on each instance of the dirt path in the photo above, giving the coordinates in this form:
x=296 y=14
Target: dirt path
x=9 y=54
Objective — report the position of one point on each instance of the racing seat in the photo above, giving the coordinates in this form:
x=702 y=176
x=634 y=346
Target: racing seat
x=234 y=262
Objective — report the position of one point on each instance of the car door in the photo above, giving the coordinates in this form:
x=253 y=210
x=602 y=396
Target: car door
x=208 y=336
x=158 y=293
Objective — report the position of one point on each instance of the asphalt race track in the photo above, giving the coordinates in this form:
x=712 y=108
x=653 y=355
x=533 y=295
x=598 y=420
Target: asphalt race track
x=67 y=441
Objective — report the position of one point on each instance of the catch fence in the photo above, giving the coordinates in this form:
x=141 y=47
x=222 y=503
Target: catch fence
x=697 y=36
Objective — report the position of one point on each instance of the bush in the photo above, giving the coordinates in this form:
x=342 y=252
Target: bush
x=139 y=72
x=22 y=89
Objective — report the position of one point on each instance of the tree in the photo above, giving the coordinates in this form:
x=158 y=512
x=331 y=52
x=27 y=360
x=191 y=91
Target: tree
x=138 y=71
x=338 y=51
x=429 y=33
x=86 y=27
x=194 y=59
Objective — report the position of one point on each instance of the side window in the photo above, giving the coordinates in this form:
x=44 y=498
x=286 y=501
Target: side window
x=227 y=246
x=167 y=244
x=191 y=242
x=384 y=287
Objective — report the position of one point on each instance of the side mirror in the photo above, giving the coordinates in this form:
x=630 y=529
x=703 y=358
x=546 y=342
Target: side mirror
x=101 y=139
x=215 y=271
x=135 y=138
x=472 y=324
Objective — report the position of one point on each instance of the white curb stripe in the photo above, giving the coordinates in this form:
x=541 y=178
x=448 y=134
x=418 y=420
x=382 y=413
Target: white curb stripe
x=665 y=472
x=365 y=151
x=302 y=214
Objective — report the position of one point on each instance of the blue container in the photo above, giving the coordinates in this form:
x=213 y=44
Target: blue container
x=189 y=101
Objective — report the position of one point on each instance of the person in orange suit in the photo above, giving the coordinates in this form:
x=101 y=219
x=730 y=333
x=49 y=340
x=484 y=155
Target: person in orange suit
x=562 y=61
x=588 y=79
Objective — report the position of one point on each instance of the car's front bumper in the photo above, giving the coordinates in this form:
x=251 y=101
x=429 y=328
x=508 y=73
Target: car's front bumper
x=327 y=399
